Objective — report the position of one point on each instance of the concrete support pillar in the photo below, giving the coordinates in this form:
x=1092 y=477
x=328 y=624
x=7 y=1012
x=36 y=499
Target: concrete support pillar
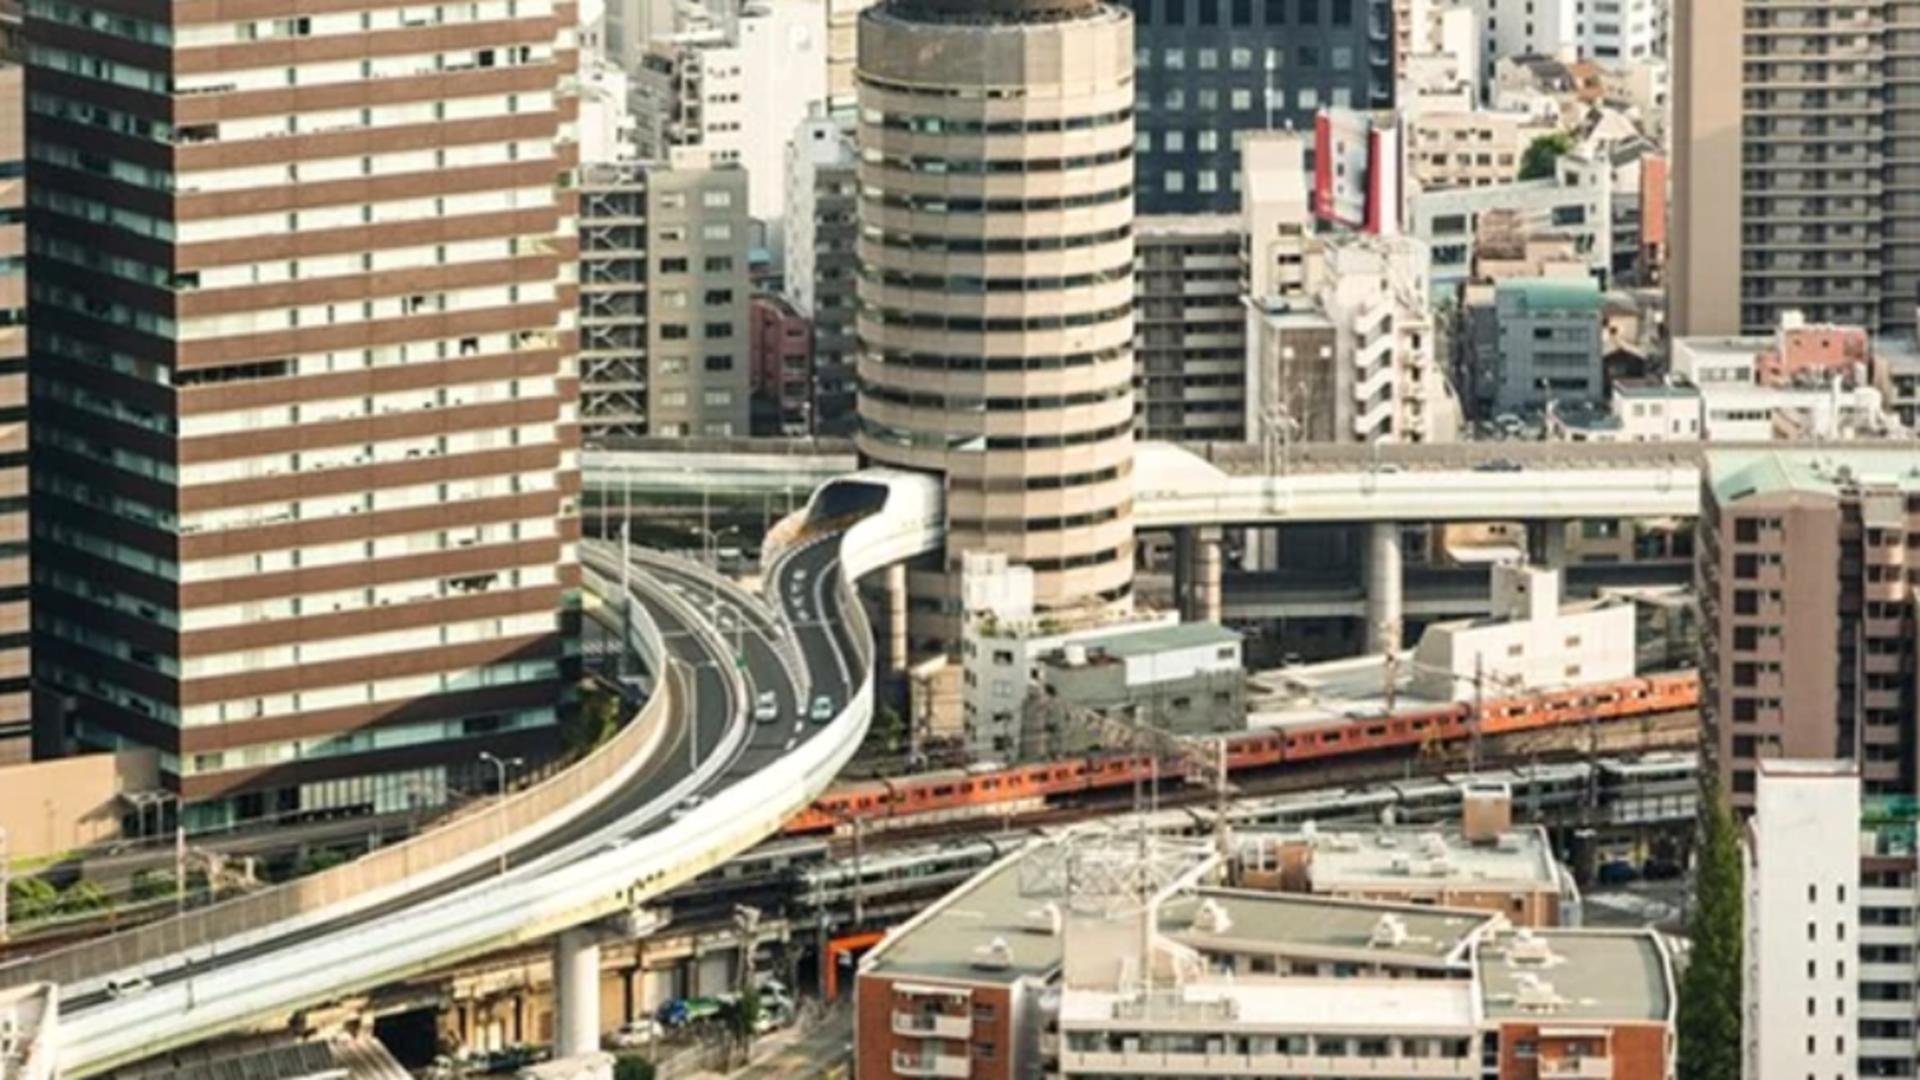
x=1547 y=543
x=1384 y=610
x=1207 y=564
x=1183 y=572
x=897 y=619
x=576 y=994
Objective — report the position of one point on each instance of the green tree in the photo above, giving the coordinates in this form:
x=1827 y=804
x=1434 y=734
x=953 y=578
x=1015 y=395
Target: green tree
x=632 y=1067
x=318 y=859
x=595 y=721
x=1709 y=1020
x=746 y=1014
x=31 y=898
x=151 y=885
x=83 y=897
x=1541 y=153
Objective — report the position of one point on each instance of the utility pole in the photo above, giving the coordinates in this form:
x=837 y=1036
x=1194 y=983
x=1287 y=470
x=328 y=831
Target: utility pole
x=179 y=870
x=1479 y=704
x=859 y=870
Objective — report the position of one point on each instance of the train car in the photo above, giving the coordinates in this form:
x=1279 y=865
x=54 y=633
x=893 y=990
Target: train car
x=987 y=790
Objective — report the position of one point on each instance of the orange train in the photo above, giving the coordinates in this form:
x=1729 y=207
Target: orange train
x=958 y=792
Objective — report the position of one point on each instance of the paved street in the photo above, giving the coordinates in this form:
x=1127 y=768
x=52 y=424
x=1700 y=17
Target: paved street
x=820 y=1052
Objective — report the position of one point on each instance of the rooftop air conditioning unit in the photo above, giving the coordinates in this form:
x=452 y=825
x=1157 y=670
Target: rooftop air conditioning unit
x=1390 y=932
x=1528 y=947
x=1212 y=918
x=995 y=955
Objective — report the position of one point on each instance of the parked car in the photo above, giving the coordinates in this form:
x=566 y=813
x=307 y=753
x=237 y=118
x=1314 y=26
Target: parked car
x=634 y=1034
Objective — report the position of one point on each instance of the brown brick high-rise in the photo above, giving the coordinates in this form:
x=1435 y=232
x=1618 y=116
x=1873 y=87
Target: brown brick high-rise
x=1807 y=612
x=303 y=276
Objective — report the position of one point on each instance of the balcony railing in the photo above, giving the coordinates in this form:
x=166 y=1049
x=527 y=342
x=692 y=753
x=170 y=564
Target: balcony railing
x=1584 y=1067
x=935 y=1025
x=948 y=1066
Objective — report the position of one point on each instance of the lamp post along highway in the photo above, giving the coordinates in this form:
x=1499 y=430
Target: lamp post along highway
x=500 y=770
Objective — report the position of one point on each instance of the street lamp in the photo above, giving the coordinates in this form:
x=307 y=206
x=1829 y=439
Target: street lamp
x=500 y=770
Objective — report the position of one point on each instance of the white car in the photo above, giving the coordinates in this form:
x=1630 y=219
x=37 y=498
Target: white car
x=766 y=707
x=691 y=804
x=822 y=709
x=634 y=1033
x=128 y=987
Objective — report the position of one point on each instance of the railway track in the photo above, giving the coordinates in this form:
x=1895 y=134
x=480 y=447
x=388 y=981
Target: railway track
x=1677 y=731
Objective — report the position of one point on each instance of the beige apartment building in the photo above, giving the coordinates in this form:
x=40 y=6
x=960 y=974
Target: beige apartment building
x=1806 y=609
x=1468 y=149
x=1784 y=194
x=997 y=284
x=303 y=292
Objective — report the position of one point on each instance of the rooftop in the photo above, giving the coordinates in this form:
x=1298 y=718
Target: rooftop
x=1297 y=925
x=1827 y=470
x=1402 y=858
x=1654 y=388
x=948 y=937
x=1585 y=975
x=1152 y=640
x=1148 y=226
x=1553 y=293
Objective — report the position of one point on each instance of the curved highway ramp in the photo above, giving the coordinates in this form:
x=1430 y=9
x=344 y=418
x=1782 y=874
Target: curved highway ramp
x=663 y=801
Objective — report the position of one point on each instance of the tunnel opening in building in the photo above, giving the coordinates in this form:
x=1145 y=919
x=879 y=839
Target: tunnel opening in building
x=412 y=1037
x=845 y=502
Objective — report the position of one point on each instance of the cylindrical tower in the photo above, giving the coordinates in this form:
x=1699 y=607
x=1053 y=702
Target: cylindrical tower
x=996 y=289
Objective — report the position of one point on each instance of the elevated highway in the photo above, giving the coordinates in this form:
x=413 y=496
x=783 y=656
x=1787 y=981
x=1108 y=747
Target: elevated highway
x=685 y=786
x=1426 y=592
x=1234 y=484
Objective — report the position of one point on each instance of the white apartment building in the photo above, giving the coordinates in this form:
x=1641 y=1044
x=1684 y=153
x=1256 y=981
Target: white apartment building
x=1351 y=358
x=1001 y=640
x=1577 y=201
x=821 y=233
x=1096 y=954
x=713 y=94
x=1656 y=411
x=689 y=98
x=1804 y=949
x=1530 y=642
x=1605 y=30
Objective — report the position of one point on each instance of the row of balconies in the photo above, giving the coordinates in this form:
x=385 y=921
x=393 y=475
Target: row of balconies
x=1204 y=1064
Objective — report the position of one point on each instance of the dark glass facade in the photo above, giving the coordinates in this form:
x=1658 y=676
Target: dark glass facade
x=1210 y=69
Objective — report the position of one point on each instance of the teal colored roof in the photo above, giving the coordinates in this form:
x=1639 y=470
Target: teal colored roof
x=1738 y=474
x=1159 y=639
x=1553 y=294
